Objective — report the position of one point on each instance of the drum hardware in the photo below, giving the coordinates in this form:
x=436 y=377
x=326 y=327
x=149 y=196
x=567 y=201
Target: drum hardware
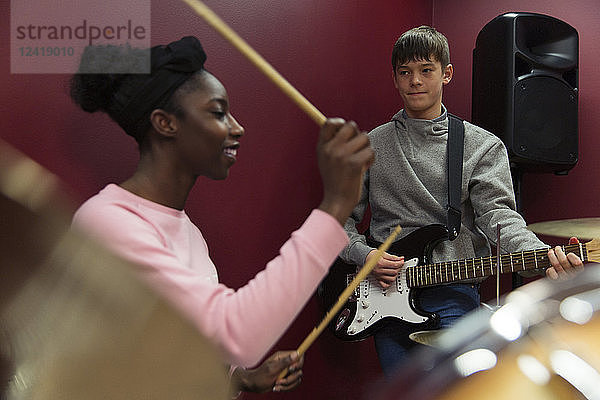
x=541 y=344
x=498 y=253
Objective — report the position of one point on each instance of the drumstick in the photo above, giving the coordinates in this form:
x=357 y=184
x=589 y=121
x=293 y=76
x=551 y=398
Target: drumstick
x=360 y=276
x=217 y=23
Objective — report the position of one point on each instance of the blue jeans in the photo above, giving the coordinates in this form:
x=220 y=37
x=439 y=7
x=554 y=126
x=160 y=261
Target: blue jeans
x=449 y=302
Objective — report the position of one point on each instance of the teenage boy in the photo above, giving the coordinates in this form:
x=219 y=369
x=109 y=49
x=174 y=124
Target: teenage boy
x=407 y=186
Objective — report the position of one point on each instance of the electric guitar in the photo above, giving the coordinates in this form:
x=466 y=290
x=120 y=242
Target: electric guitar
x=370 y=304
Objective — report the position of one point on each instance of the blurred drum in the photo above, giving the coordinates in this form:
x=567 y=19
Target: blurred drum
x=543 y=343
x=75 y=322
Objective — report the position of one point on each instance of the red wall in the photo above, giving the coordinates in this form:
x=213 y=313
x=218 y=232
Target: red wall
x=337 y=54
x=544 y=196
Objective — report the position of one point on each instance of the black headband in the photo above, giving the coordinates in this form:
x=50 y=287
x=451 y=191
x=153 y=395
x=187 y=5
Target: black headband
x=171 y=65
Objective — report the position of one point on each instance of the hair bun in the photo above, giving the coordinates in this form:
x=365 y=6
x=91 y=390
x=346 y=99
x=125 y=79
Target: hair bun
x=101 y=71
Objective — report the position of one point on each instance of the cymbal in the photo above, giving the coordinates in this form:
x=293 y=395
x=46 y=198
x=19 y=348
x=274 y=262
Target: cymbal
x=428 y=338
x=75 y=321
x=582 y=228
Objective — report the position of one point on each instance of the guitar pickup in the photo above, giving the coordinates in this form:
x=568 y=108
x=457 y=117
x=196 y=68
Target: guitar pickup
x=399 y=279
x=362 y=290
x=365 y=287
x=356 y=293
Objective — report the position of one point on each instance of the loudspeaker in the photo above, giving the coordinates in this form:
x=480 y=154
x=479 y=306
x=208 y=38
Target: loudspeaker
x=525 y=89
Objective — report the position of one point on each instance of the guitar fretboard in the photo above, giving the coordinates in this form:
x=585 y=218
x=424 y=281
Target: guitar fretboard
x=452 y=271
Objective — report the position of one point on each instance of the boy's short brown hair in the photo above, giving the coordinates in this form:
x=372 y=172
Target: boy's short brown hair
x=421 y=43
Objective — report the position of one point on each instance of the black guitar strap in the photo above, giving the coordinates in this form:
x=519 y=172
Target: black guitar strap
x=455 y=146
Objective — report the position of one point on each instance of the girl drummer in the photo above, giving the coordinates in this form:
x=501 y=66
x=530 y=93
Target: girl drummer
x=179 y=115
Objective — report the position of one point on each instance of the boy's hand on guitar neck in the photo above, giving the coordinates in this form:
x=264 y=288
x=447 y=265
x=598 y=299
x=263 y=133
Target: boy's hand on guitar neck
x=386 y=270
x=564 y=266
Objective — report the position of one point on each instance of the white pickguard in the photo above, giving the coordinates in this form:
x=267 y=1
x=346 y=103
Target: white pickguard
x=374 y=303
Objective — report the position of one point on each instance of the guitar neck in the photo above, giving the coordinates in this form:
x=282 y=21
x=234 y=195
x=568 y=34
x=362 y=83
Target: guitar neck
x=454 y=271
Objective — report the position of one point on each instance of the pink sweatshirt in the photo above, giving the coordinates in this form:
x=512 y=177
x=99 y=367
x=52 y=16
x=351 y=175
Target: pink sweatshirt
x=173 y=257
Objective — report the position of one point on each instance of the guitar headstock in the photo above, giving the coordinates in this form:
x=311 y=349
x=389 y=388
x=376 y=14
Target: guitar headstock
x=593 y=250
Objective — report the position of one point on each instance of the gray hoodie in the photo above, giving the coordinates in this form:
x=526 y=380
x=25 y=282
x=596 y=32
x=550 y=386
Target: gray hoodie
x=407 y=186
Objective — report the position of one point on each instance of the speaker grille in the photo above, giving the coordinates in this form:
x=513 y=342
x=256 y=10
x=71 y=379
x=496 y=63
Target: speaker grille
x=545 y=123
